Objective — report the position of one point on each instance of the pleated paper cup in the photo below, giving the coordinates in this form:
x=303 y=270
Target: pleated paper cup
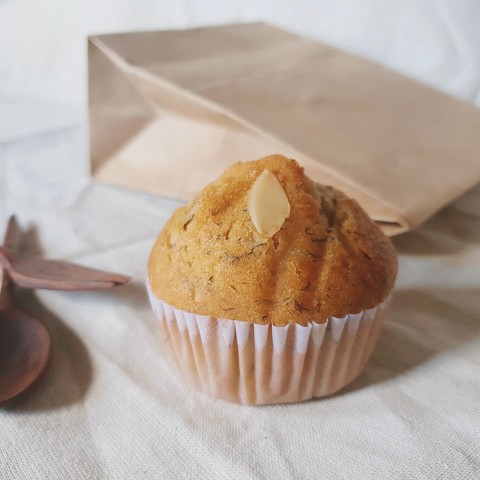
x=263 y=364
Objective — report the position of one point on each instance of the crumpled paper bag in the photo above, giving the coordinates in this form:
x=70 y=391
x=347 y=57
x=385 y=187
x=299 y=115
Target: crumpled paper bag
x=170 y=110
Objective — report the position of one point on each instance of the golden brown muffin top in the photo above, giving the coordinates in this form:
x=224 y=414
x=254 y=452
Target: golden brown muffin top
x=328 y=258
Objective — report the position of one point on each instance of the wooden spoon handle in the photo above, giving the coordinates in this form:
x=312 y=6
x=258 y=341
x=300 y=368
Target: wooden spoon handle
x=13 y=234
x=59 y=275
x=6 y=290
x=29 y=272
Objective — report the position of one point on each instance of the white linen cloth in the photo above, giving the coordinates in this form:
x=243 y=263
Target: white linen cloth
x=112 y=407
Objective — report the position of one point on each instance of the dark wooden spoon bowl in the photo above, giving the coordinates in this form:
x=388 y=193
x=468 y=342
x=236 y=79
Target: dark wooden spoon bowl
x=24 y=346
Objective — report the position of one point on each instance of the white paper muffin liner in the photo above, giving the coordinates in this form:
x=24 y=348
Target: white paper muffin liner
x=263 y=364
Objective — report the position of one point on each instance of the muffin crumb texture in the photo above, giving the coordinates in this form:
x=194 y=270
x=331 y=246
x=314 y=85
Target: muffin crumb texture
x=327 y=259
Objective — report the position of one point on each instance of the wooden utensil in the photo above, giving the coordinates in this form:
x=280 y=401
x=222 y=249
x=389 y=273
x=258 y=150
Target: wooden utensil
x=24 y=345
x=24 y=341
x=30 y=272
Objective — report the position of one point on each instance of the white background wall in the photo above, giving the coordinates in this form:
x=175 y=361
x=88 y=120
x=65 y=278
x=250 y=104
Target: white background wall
x=42 y=42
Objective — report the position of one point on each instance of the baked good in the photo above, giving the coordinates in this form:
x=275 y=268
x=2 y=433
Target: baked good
x=269 y=287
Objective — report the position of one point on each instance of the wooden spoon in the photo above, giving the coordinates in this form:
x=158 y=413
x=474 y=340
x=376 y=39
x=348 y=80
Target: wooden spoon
x=24 y=345
x=30 y=272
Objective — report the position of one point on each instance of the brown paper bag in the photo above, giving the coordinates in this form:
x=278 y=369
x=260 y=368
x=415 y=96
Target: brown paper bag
x=170 y=110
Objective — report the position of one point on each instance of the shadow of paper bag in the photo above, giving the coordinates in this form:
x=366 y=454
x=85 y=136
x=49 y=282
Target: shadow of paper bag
x=170 y=110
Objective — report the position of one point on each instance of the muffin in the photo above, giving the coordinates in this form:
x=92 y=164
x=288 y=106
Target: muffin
x=269 y=288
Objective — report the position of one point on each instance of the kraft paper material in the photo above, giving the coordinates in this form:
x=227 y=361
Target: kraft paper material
x=164 y=103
